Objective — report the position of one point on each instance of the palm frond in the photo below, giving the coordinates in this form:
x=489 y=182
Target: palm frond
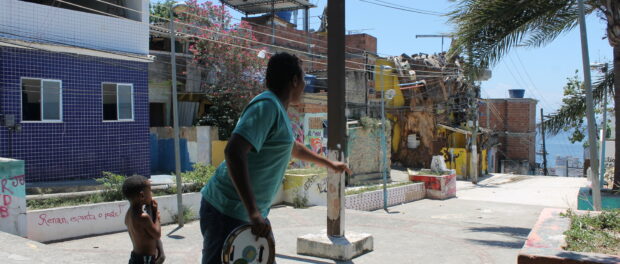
x=573 y=111
x=487 y=29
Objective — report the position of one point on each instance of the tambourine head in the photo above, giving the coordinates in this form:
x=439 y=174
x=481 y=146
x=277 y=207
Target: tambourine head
x=241 y=247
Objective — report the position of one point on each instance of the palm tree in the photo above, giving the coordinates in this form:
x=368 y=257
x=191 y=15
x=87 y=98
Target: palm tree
x=486 y=30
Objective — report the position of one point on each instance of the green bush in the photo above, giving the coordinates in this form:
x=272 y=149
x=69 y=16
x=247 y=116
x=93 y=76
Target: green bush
x=112 y=186
x=594 y=233
x=198 y=177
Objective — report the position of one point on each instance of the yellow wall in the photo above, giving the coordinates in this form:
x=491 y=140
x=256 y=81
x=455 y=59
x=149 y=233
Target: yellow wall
x=485 y=165
x=460 y=163
x=217 y=151
x=390 y=81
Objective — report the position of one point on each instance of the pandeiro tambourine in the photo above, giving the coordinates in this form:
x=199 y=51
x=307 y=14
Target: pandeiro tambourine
x=241 y=247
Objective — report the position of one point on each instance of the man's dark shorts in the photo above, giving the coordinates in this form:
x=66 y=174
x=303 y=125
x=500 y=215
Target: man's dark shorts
x=215 y=228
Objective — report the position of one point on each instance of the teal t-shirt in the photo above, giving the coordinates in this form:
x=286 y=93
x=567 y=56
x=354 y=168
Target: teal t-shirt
x=265 y=124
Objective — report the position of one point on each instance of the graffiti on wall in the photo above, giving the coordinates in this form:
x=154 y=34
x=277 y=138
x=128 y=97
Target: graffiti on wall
x=297 y=124
x=11 y=187
x=46 y=220
x=12 y=197
x=308 y=129
x=315 y=133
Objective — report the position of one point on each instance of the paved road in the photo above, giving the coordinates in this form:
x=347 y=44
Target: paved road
x=487 y=223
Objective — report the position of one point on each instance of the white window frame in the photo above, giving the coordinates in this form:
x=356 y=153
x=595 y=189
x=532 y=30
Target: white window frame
x=21 y=101
x=132 y=119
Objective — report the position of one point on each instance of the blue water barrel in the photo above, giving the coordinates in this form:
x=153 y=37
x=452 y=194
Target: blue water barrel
x=310 y=81
x=516 y=93
x=286 y=15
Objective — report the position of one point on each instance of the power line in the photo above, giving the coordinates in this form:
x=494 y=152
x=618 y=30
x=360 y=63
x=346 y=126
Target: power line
x=402 y=8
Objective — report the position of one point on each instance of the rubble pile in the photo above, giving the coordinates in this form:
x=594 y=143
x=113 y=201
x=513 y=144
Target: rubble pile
x=438 y=95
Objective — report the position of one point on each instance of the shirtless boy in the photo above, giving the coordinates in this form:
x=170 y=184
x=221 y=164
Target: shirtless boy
x=142 y=221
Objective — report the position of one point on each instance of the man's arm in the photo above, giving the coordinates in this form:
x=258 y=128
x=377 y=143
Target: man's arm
x=237 y=161
x=301 y=152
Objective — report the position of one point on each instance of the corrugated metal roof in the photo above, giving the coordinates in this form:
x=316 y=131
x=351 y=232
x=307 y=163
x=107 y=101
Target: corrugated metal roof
x=250 y=7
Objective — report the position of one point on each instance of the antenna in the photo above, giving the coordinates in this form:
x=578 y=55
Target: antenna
x=442 y=36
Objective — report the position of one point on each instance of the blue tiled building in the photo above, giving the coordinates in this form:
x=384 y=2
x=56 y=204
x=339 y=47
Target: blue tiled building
x=77 y=143
x=72 y=108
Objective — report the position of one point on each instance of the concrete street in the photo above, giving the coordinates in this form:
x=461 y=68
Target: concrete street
x=487 y=223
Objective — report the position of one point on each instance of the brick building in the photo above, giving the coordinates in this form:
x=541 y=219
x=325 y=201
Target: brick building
x=512 y=122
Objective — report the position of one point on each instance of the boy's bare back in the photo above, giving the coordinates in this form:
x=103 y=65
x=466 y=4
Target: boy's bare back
x=143 y=231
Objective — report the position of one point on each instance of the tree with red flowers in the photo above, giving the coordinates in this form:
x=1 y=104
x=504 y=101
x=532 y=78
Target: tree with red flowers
x=229 y=53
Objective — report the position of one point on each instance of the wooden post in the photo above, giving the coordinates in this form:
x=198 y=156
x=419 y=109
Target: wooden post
x=336 y=131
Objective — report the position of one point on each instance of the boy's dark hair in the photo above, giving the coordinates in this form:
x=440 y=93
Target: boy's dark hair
x=281 y=70
x=134 y=185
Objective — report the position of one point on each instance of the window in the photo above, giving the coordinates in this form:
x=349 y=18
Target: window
x=117 y=102
x=41 y=100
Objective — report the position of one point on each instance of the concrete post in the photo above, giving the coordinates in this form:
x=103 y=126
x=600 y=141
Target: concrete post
x=596 y=188
x=333 y=244
x=175 y=119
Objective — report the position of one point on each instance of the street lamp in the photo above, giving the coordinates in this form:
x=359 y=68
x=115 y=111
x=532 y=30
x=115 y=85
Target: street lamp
x=603 y=67
x=383 y=141
x=178 y=7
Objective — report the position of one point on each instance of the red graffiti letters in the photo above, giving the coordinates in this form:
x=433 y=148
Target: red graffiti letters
x=7 y=192
x=4 y=188
x=44 y=220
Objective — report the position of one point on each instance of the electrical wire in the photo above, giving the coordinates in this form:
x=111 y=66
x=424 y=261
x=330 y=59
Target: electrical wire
x=402 y=8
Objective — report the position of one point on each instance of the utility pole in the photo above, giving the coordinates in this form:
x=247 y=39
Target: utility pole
x=175 y=115
x=474 y=144
x=337 y=122
x=544 y=153
x=334 y=244
x=596 y=187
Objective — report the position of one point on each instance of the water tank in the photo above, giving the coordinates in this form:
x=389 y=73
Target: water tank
x=516 y=93
x=285 y=15
x=310 y=81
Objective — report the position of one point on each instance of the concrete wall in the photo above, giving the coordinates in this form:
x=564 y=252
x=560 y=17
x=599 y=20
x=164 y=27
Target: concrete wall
x=93 y=219
x=196 y=147
x=365 y=153
x=12 y=197
x=309 y=184
x=43 y=23
x=356 y=88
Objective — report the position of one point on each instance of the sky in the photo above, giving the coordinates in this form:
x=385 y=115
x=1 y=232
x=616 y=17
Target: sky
x=542 y=72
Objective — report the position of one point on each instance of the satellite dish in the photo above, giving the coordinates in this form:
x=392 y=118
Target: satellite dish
x=389 y=94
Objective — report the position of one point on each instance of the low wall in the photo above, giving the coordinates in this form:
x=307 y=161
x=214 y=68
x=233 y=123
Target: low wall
x=437 y=187
x=195 y=147
x=12 y=197
x=609 y=200
x=311 y=184
x=305 y=183
x=545 y=243
x=369 y=201
x=93 y=219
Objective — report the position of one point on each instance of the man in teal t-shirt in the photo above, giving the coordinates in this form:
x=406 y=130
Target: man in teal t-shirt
x=257 y=155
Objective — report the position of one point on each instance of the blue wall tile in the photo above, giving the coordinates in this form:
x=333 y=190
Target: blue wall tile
x=82 y=146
